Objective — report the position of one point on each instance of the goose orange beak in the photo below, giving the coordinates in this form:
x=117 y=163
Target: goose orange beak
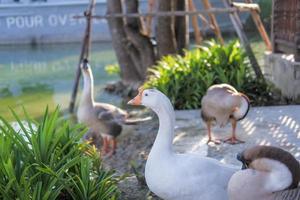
x=138 y=99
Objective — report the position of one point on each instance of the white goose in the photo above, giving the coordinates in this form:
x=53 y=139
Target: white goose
x=270 y=173
x=179 y=176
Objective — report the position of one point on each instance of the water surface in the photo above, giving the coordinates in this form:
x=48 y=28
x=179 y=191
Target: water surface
x=36 y=77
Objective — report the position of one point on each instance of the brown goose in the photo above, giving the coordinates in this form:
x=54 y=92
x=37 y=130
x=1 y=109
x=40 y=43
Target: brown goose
x=270 y=173
x=223 y=103
x=102 y=118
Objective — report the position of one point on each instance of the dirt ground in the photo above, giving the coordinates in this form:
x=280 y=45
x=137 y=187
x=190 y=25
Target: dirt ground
x=134 y=145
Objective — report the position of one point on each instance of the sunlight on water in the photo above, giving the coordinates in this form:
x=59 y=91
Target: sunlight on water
x=44 y=75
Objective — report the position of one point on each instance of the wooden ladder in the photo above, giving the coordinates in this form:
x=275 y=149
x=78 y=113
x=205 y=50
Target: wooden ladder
x=238 y=26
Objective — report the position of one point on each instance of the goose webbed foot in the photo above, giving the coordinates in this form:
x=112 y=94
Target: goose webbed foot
x=109 y=147
x=215 y=141
x=105 y=146
x=233 y=140
x=110 y=154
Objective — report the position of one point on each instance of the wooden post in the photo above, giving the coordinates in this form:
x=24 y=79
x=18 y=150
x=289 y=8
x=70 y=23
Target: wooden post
x=213 y=21
x=181 y=26
x=244 y=40
x=195 y=24
x=272 y=27
x=167 y=13
x=260 y=27
x=151 y=5
x=205 y=22
x=85 y=49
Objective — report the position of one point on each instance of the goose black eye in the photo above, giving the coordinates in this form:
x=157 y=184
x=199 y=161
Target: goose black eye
x=146 y=94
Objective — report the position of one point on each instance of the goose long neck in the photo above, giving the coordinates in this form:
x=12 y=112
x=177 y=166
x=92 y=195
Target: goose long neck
x=88 y=88
x=164 y=138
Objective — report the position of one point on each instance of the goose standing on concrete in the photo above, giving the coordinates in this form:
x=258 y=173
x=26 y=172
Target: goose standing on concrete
x=223 y=103
x=173 y=176
x=270 y=173
x=100 y=118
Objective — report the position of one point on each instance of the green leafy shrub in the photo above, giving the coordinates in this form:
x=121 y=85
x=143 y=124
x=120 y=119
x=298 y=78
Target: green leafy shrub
x=47 y=161
x=185 y=79
x=113 y=69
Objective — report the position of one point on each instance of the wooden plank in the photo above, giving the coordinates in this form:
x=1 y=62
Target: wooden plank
x=195 y=24
x=244 y=40
x=288 y=44
x=205 y=22
x=168 y=13
x=297 y=34
x=249 y=5
x=283 y=46
x=213 y=21
x=272 y=28
x=260 y=27
x=85 y=49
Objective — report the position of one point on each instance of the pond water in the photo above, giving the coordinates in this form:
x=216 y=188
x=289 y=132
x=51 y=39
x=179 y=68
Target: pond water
x=36 y=77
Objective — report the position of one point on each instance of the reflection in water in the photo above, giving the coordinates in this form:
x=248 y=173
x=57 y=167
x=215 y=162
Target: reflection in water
x=5 y=92
x=44 y=75
x=36 y=88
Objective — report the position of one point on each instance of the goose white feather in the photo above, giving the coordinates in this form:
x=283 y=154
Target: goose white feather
x=174 y=176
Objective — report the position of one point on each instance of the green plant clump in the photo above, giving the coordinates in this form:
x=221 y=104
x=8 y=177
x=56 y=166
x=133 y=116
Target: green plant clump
x=113 y=69
x=185 y=79
x=45 y=161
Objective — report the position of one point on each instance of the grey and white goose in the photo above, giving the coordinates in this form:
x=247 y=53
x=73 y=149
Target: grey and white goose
x=269 y=173
x=223 y=103
x=101 y=118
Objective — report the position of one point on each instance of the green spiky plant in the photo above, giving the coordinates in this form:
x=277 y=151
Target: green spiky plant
x=185 y=79
x=47 y=160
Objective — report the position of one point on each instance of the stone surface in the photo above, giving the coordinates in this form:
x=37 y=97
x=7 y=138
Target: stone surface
x=274 y=125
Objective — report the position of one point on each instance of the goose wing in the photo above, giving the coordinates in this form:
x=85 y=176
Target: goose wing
x=220 y=102
x=110 y=112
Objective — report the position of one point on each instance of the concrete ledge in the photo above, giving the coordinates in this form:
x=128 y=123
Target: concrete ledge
x=284 y=72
